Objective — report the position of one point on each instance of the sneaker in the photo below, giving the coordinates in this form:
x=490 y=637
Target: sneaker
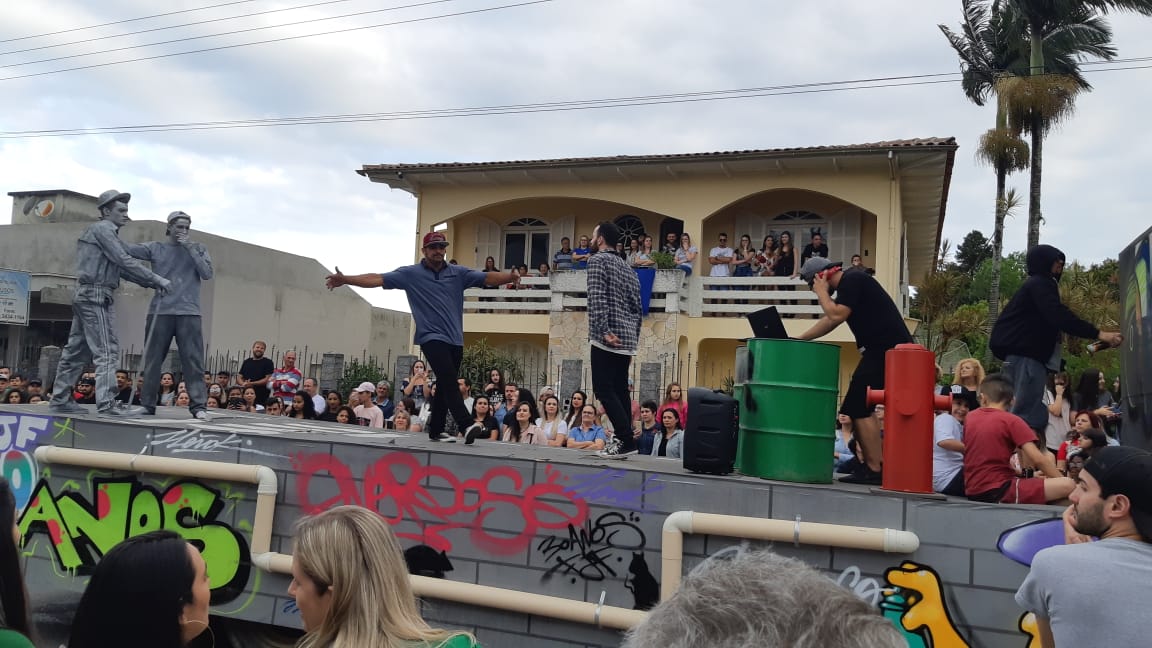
x=865 y=476
x=67 y=407
x=445 y=438
x=611 y=449
x=120 y=410
x=202 y=415
x=473 y=431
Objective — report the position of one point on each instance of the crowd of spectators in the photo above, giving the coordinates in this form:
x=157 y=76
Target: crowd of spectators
x=507 y=412
x=977 y=440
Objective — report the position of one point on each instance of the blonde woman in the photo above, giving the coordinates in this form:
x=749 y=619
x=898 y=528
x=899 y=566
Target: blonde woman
x=969 y=374
x=555 y=429
x=351 y=585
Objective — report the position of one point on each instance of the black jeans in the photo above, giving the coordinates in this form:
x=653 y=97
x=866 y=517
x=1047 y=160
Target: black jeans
x=444 y=361
x=610 y=384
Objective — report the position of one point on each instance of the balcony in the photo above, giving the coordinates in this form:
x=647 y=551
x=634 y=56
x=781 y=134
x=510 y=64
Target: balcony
x=694 y=296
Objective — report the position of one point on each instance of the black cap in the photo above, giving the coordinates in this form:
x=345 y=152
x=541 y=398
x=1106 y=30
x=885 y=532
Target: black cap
x=960 y=392
x=87 y=381
x=1127 y=471
x=36 y=381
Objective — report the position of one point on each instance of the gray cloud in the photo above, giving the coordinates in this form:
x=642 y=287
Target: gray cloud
x=294 y=188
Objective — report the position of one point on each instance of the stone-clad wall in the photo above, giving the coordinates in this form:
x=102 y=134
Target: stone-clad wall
x=550 y=521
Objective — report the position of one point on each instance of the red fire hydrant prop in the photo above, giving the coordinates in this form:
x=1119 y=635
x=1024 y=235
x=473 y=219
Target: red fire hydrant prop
x=909 y=404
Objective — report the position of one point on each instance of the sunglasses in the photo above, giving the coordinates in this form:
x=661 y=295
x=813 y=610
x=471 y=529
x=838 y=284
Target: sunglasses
x=437 y=246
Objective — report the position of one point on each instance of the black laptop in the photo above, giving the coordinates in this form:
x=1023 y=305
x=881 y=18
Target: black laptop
x=766 y=323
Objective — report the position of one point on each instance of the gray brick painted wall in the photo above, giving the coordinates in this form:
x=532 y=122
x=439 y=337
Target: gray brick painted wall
x=527 y=495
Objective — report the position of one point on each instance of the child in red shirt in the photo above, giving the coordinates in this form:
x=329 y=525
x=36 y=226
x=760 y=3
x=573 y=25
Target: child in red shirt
x=991 y=435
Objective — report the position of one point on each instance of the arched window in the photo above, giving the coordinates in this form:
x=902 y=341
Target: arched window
x=630 y=227
x=802 y=224
x=526 y=242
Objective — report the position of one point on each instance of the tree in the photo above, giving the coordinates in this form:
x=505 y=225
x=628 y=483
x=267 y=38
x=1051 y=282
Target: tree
x=990 y=49
x=997 y=46
x=356 y=372
x=480 y=359
x=974 y=249
x=1060 y=34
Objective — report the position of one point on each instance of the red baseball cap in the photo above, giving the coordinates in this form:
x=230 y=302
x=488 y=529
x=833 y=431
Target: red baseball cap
x=433 y=238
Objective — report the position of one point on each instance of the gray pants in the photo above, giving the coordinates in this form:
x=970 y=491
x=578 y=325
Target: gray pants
x=1028 y=378
x=189 y=336
x=91 y=339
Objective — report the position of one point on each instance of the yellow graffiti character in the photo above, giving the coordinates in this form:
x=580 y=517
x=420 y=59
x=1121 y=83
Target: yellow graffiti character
x=927 y=610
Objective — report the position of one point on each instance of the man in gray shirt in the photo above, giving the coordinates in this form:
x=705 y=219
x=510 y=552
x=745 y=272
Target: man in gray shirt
x=177 y=313
x=1113 y=502
x=100 y=262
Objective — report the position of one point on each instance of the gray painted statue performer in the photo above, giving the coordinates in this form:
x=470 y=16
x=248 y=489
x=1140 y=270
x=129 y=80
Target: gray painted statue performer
x=176 y=314
x=100 y=262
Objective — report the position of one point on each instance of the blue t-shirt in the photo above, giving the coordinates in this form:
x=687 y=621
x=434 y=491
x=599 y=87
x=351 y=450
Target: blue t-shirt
x=582 y=264
x=436 y=298
x=578 y=434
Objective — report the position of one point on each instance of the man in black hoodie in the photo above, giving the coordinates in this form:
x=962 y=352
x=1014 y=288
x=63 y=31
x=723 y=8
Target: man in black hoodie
x=1027 y=334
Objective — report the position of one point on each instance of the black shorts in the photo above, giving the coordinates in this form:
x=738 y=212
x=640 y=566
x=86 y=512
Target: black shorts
x=869 y=373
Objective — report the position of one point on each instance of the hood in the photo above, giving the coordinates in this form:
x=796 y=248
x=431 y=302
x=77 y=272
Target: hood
x=1041 y=258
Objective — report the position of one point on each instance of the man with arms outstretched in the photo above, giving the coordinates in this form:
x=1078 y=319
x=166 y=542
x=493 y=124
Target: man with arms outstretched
x=435 y=291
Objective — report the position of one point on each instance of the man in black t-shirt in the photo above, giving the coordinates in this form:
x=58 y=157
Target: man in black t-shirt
x=256 y=371
x=877 y=326
x=817 y=248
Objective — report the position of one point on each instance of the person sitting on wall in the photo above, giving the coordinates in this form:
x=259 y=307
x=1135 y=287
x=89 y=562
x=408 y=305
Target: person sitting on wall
x=671 y=441
x=648 y=430
x=948 y=436
x=739 y=597
x=86 y=391
x=991 y=435
x=588 y=435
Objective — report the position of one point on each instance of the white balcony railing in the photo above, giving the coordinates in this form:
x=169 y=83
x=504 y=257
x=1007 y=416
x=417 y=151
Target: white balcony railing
x=671 y=293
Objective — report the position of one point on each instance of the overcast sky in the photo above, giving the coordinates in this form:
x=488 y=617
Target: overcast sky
x=294 y=188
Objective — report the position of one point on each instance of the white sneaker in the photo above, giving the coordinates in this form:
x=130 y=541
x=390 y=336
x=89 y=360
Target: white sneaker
x=202 y=415
x=473 y=431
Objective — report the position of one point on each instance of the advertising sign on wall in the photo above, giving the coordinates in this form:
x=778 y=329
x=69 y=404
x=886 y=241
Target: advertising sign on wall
x=15 y=294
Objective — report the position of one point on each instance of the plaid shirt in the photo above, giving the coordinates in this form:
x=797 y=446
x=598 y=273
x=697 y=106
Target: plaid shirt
x=613 y=302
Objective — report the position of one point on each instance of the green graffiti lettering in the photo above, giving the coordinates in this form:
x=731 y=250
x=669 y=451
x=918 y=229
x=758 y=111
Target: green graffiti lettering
x=82 y=531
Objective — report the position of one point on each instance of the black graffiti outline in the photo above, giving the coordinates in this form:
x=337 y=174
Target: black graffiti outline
x=587 y=550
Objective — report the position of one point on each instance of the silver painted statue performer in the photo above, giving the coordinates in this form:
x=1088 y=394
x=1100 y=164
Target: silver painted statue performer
x=101 y=260
x=176 y=313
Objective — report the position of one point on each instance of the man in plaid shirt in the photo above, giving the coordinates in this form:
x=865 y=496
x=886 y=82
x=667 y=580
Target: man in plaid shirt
x=613 y=329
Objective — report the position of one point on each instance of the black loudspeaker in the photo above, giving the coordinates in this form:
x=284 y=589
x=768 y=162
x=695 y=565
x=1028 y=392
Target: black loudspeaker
x=710 y=435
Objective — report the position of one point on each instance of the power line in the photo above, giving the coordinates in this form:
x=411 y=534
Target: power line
x=562 y=106
x=202 y=22
x=274 y=40
x=127 y=20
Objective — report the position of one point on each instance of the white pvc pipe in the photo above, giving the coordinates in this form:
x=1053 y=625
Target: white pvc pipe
x=797 y=532
x=554 y=607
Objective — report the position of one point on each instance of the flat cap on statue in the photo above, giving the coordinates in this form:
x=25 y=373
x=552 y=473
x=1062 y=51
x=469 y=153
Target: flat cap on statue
x=112 y=196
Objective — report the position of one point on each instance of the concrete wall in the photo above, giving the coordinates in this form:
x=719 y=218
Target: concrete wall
x=257 y=293
x=551 y=521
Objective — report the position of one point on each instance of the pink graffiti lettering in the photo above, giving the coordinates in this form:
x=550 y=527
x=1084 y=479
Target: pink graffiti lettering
x=400 y=488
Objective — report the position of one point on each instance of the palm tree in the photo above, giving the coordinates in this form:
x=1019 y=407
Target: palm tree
x=996 y=52
x=1076 y=28
x=991 y=48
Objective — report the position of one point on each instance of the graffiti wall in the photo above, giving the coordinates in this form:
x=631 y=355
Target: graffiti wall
x=562 y=524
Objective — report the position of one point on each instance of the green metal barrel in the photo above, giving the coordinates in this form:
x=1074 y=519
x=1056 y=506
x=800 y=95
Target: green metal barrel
x=788 y=410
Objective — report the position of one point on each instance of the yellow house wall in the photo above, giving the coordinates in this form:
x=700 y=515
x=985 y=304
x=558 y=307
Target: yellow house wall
x=691 y=200
x=706 y=206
